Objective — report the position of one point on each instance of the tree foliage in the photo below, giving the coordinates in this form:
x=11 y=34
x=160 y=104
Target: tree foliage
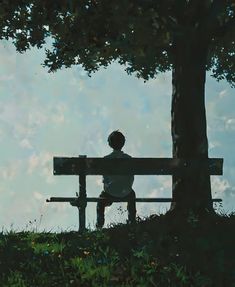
x=140 y=34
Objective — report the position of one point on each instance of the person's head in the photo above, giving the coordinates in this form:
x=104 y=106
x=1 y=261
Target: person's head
x=116 y=140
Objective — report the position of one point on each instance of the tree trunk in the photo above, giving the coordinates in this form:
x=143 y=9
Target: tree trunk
x=188 y=124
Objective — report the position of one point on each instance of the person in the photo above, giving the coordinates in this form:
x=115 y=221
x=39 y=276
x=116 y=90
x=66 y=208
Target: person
x=116 y=186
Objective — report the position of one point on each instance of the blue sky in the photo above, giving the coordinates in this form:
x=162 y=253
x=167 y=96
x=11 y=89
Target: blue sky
x=67 y=113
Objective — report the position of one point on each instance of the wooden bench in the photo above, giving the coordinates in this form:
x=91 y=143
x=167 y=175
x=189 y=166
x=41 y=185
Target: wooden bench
x=83 y=166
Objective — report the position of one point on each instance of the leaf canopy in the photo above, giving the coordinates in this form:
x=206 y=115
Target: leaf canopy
x=139 y=34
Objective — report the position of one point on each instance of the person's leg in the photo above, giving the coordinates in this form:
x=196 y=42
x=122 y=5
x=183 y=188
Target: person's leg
x=131 y=207
x=100 y=208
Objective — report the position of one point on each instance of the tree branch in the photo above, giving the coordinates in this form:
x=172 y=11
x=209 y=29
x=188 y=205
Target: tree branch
x=222 y=31
x=211 y=22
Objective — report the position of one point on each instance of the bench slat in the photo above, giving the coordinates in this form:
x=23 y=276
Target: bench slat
x=96 y=199
x=135 y=166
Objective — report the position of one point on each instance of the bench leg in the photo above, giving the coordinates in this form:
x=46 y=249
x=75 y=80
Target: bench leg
x=82 y=218
x=131 y=208
x=100 y=214
x=83 y=202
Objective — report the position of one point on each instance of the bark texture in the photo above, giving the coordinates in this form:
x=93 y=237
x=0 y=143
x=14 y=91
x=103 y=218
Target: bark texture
x=188 y=123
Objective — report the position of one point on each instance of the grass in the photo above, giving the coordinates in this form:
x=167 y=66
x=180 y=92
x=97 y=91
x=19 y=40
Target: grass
x=157 y=251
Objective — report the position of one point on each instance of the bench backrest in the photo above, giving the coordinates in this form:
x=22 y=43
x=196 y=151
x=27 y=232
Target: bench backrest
x=135 y=166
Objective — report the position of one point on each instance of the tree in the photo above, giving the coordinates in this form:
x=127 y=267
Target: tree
x=188 y=37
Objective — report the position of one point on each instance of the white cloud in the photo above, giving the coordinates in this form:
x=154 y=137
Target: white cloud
x=1 y=190
x=155 y=192
x=28 y=209
x=22 y=130
x=223 y=94
x=37 y=118
x=213 y=144
x=10 y=112
x=25 y=143
x=5 y=78
x=230 y=124
x=2 y=134
x=33 y=162
x=45 y=158
x=219 y=186
x=58 y=119
x=38 y=195
x=99 y=182
x=47 y=172
x=59 y=207
x=78 y=83
x=42 y=164
x=165 y=181
x=10 y=171
x=58 y=115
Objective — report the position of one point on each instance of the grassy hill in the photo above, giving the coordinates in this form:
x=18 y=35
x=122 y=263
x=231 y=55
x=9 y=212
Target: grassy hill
x=157 y=251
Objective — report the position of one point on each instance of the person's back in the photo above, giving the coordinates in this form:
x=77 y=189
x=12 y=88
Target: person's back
x=116 y=186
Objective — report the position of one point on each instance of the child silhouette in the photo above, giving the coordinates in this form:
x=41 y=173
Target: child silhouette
x=116 y=186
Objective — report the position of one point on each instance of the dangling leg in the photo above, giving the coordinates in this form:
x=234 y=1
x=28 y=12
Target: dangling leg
x=100 y=208
x=131 y=207
x=100 y=214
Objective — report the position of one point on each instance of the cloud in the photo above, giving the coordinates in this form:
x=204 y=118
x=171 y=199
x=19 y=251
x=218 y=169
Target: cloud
x=219 y=186
x=214 y=144
x=47 y=172
x=6 y=78
x=230 y=124
x=22 y=130
x=41 y=164
x=38 y=195
x=11 y=170
x=2 y=134
x=33 y=162
x=10 y=112
x=58 y=115
x=99 y=182
x=223 y=93
x=37 y=117
x=45 y=158
x=25 y=143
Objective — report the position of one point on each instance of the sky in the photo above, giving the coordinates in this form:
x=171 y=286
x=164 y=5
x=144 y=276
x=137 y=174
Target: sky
x=68 y=113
